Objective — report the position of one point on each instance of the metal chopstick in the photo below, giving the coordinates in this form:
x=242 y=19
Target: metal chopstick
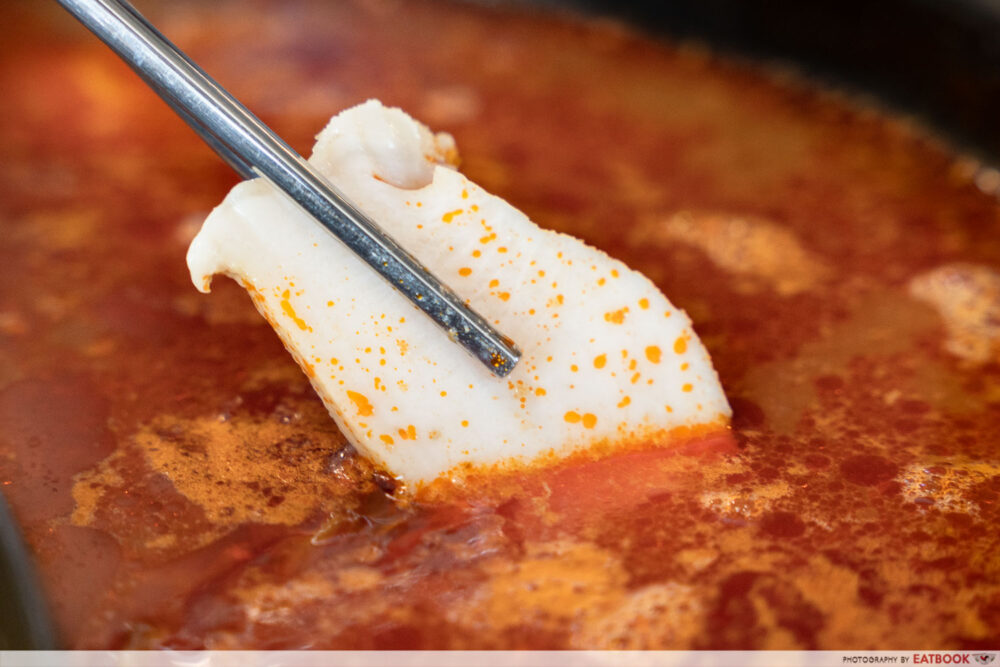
x=253 y=149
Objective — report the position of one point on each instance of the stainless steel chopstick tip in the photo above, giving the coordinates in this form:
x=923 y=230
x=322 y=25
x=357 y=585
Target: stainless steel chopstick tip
x=249 y=146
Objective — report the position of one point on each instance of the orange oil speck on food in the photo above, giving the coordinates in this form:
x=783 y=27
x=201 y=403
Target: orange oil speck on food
x=644 y=303
x=254 y=292
x=614 y=273
x=410 y=433
x=501 y=249
x=287 y=307
x=687 y=387
x=589 y=420
x=444 y=393
x=625 y=401
x=465 y=422
x=574 y=367
x=680 y=345
x=387 y=439
x=600 y=360
x=653 y=354
x=539 y=392
x=494 y=283
x=465 y=194
x=504 y=296
x=616 y=316
x=361 y=403
x=465 y=271
x=450 y=215
x=572 y=417
x=685 y=366
x=601 y=281
x=634 y=378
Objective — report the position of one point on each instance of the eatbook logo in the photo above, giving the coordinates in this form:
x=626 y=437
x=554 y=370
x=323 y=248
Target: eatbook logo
x=984 y=658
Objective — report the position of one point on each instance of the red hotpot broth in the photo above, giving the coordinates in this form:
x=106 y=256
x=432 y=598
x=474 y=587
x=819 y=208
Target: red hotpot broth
x=181 y=486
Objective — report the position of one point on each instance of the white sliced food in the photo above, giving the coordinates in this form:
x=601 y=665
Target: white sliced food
x=607 y=359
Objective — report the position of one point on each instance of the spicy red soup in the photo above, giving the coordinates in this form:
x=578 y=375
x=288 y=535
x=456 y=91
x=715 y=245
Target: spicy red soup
x=181 y=486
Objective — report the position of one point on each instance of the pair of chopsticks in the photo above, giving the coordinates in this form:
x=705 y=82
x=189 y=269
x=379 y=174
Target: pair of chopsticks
x=254 y=150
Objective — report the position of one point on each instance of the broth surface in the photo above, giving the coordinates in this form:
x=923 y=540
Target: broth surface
x=181 y=486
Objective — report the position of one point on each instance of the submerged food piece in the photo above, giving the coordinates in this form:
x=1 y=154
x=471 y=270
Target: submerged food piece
x=742 y=245
x=607 y=360
x=967 y=297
